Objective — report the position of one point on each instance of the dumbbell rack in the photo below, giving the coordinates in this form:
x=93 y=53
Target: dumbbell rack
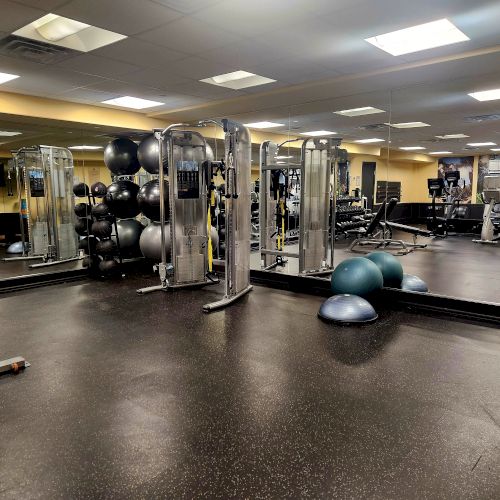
x=349 y=216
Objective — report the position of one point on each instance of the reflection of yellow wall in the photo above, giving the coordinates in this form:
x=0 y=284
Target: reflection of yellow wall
x=8 y=203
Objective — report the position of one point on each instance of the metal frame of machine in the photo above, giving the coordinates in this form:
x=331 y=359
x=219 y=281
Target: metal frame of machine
x=491 y=197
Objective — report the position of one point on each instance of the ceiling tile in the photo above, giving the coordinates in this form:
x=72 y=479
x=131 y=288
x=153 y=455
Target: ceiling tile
x=101 y=66
x=155 y=78
x=47 y=5
x=126 y=17
x=197 y=68
x=205 y=90
x=188 y=6
x=15 y=15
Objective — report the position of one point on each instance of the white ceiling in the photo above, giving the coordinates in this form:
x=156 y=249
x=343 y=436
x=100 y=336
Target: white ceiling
x=174 y=43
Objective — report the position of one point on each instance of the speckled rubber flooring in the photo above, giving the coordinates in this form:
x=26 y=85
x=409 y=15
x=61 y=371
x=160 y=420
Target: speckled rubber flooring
x=147 y=397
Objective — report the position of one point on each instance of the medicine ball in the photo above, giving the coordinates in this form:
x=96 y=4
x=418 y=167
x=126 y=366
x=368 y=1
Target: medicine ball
x=120 y=156
x=100 y=210
x=98 y=189
x=150 y=242
x=102 y=228
x=121 y=199
x=148 y=154
x=80 y=189
x=87 y=244
x=149 y=200
x=129 y=233
x=106 y=247
x=82 y=209
x=109 y=266
x=82 y=226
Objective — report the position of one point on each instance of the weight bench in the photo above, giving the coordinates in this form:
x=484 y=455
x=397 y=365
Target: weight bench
x=379 y=232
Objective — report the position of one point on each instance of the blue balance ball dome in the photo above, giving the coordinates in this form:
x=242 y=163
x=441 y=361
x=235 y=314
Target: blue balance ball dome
x=389 y=266
x=357 y=276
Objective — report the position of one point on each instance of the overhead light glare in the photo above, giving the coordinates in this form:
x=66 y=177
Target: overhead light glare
x=283 y=157
x=237 y=80
x=408 y=125
x=412 y=148
x=486 y=95
x=318 y=133
x=84 y=147
x=6 y=133
x=441 y=153
x=264 y=125
x=127 y=101
x=417 y=38
x=369 y=141
x=481 y=144
x=54 y=28
x=7 y=77
x=367 y=110
x=452 y=136
x=495 y=149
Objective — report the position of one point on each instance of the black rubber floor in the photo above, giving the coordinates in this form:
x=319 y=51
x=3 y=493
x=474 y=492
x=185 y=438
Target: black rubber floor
x=147 y=397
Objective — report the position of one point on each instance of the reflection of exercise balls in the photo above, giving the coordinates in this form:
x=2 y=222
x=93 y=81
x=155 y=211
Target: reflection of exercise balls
x=100 y=210
x=121 y=199
x=80 y=189
x=150 y=242
x=82 y=226
x=82 y=210
x=102 y=228
x=16 y=247
x=214 y=236
x=149 y=200
x=129 y=233
x=120 y=156
x=357 y=276
x=412 y=283
x=98 y=189
x=148 y=154
x=389 y=266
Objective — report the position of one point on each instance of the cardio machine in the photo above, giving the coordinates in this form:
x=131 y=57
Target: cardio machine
x=491 y=216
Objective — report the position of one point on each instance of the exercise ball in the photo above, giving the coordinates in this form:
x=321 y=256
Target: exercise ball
x=347 y=309
x=357 y=276
x=148 y=154
x=102 y=228
x=98 y=189
x=106 y=247
x=121 y=199
x=120 y=156
x=100 y=210
x=82 y=226
x=389 y=266
x=109 y=266
x=149 y=200
x=412 y=283
x=87 y=244
x=129 y=233
x=16 y=247
x=214 y=236
x=80 y=189
x=150 y=242
x=82 y=209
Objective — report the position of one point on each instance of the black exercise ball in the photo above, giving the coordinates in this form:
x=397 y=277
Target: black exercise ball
x=80 y=189
x=129 y=233
x=120 y=156
x=82 y=209
x=121 y=199
x=102 y=229
x=148 y=154
x=106 y=247
x=82 y=226
x=87 y=244
x=109 y=266
x=98 y=189
x=149 y=200
x=100 y=210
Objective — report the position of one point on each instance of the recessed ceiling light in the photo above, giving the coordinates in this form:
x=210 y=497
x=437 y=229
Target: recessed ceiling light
x=281 y=163
x=5 y=133
x=84 y=147
x=441 y=153
x=495 y=149
x=264 y=125
x=486 y=95
x=452 y=136
x=7 y=77
x=68 y=33
x=417 y=38
x=368 y=110
x=408 y=125
x=412 y=148
x=480 y=144
x=369 y=141
x=237 y=80
x=317 y=133
x=132 y=102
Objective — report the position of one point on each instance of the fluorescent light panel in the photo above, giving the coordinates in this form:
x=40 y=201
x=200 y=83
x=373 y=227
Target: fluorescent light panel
x=7 y=77
x=412 y=148
x=417 y=38
x=84 y=147
x=369 y=141
x=318 y=133
x=68 y=33
x=237 y=80
x=368 y=110
x=127 y=101
x=481 y=144
x=408 y=125
x=283 y=157
x=441 y=153
x=264 y=124
x=452 y=136
x=486 y=95
x=6 y=133
x=495 y=149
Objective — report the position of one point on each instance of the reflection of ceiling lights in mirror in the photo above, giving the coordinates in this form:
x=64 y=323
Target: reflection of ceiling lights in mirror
x=408 y=125
x=486 y=95
x=495 y=149
x=283 y=157
x=368 y=110
x=84 y=148
x=441 y=153
x=369 y=141
x=7 y=77
x=132 y=102
x=417 y=38
x=263 y=125
x=481 y=144
x=318 y=133
x=412 y=148
x=452 y=136
x=66 y=32
x=6 y=133
x=237 y=80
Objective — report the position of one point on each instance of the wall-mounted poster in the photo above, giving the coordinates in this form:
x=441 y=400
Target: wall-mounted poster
x=465 y=165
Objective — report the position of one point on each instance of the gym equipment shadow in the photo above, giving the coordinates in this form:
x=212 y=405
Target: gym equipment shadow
x=387 y=298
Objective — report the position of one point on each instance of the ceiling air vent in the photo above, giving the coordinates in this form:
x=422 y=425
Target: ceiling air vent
x=471 y=148
x=375 y=126
x=32 y=50
x=482 y=118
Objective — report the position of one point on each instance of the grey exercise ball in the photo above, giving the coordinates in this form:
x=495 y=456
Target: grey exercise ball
x=412 y=283
x=214 y=236
x=129 y=233
x=150 y=242
x=347 y=309
x=16 y=247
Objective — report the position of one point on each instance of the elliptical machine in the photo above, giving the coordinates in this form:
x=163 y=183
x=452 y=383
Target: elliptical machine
x=491 y=218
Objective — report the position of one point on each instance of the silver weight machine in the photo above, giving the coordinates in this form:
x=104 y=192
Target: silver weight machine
x=491 y=198
x=317 y=172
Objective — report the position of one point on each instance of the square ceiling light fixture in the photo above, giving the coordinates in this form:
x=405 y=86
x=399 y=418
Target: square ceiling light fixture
x=408 y=125
x=412 y=148
x=368 y=110
x=132 y=102
x=452 y=136
x=318 y=133
x=263 y=125
x=486 y=95
x=68 y=33
x=7 y=77
x=237 y=80
x=6 y=133
x=369 y=141
x=441 y=153
x=422 y=37
x=481 y=144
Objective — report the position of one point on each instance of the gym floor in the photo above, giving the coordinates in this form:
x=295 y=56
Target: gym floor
x=453 y=266
x=141 y=397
